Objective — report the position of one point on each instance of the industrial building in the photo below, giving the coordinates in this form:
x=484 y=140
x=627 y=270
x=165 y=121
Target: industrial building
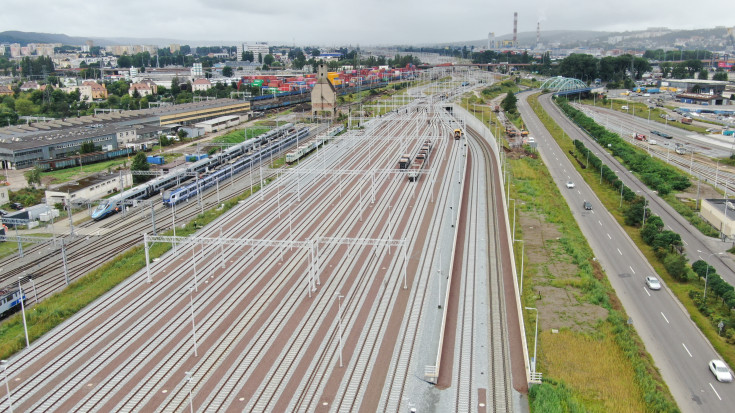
x=720 y=213
x=22 y=146
x=91 y=188
x=702 y=92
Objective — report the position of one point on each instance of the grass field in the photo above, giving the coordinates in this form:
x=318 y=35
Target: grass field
x=71 y=174
x=241 y=135
x=594 y=362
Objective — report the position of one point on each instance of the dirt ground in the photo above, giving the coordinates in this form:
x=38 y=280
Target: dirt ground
x=706 y=190
x=558 y=299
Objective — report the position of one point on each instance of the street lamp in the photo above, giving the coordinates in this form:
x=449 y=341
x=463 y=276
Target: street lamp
x=188 y=382
x=706 y=273
x=339 y=317
x=4 y=364
x=535 y=340
x=514 y=218
x=523 y=248
x=193 y=326
x=23 y=310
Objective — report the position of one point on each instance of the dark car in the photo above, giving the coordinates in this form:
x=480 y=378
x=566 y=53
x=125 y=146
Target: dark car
x=655 y=132
x=587 y=205
x=16 y=205
x=3 y=212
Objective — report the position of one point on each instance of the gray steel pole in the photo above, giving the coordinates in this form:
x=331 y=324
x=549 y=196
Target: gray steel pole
x=4 y=363
x=23 y=310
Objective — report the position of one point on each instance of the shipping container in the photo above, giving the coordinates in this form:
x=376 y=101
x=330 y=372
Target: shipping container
x=155 y=160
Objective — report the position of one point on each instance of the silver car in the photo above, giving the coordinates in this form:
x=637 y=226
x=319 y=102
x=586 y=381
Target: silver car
x=653 y=283
x=720 y=370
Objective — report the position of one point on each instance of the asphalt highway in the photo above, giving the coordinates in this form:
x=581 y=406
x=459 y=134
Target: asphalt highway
x=677 y=346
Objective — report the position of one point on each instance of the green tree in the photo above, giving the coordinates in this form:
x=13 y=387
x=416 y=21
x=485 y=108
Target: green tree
x=634 y=214
x=182 y=134
x=140 y=163
x=652 y=228
x=667 y=240
x=509 y=103
x=248 y=56
x=87 y=147
x=124 y=61
x=720 y=75
x=676 y=265
x=25 y=107
x=227 y=71
x=33 y=176
x=269 y=59
x=703 y=74
x=175 y=89
x=579 y=66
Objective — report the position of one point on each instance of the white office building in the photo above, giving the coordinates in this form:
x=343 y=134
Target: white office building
x=257 y=48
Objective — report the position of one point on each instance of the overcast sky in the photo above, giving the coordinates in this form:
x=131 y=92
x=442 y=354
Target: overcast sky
x=349 y=22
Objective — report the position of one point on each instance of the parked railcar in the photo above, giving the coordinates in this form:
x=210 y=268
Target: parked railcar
x=10 y=301
x=183 y=174
x=190 y=190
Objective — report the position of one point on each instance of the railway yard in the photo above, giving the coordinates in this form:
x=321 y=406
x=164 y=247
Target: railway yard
x=342 y=285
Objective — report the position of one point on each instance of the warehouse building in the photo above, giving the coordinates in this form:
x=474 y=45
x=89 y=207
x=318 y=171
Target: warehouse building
x=720 y=213
x=23 y=146
x=699 y=91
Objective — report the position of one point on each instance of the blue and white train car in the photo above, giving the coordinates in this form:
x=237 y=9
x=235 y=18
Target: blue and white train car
x=175 y=178
x=190 y=190
x=9 y=301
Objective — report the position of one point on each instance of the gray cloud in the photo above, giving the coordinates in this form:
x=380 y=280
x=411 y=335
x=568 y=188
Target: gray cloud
x=348 y=21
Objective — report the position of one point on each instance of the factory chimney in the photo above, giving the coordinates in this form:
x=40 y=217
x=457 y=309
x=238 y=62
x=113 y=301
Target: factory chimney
x=538 y=34
x=515 y=29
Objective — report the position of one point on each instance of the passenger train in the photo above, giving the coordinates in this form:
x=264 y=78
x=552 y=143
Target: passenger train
x=189 y=190
x=305 y=149
x=182 y=174
x=9 y=300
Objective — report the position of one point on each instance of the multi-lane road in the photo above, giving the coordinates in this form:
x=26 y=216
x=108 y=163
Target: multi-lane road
x=697 y=245
x=678 y=348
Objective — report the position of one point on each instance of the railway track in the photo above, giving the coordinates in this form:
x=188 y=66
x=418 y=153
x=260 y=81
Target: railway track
x=498 y=395
x=699 y=166
x=178 y=316
x=123 y=232
x=265 y=338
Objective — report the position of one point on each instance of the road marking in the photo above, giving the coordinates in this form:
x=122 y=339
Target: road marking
x=608 y=235
x=631 y=268
x=685 y=348
x=619 y=251
x=667 y=320
x=716 y=394
x=599 y=222
x=685 y=243
x=646 y=290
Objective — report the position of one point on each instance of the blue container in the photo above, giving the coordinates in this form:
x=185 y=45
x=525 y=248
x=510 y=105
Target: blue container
x=155 y=160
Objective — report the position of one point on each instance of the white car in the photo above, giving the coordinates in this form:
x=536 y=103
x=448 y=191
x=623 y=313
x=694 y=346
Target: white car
x=651 y=142
x=720 y=370
x=570 y=184
x=653 y=283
